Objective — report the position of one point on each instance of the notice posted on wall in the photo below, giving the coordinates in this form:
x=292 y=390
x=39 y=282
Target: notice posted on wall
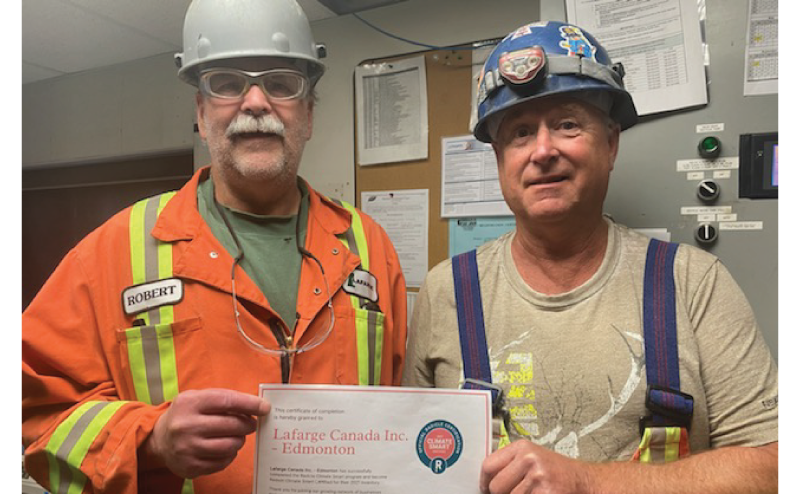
x=392 y=111
x=403 y=214
x=761 y=52
x=659 y=43
x=470 y=183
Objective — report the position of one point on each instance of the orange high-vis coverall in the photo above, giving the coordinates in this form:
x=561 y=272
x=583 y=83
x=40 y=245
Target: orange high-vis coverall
x=95 y=379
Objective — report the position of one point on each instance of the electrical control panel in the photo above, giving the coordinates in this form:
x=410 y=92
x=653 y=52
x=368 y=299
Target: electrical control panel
x=758 y=166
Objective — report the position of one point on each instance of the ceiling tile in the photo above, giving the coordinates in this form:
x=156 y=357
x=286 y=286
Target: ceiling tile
x=158 y=18
x=33 y=73
x=66 y=38
x=315 y=11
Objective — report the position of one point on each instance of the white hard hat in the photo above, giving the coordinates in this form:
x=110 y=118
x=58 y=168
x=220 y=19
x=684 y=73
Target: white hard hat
x=219 y=31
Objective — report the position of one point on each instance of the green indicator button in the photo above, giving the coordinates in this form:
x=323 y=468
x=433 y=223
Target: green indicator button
x=709 y=147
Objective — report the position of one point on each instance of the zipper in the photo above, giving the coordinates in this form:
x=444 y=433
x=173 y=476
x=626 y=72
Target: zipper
x=286 y=343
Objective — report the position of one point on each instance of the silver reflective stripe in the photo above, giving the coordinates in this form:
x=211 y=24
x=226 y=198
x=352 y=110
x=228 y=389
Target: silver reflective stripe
x=350 y=237
x=369 y=339
x=151 y=350
x=71 y=441
x=152 y=363
x=151 y=251
x=372 y=319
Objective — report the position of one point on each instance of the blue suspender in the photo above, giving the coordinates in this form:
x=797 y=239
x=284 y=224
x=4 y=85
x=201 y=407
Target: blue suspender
x=667 y=404
x=471 y=331
x=661 y=345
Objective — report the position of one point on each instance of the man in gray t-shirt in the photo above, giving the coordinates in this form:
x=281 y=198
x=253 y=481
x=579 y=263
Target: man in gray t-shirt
x=563 y=296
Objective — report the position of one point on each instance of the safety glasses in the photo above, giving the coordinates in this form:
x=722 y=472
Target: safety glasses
x=283 y=345
x=277 y=84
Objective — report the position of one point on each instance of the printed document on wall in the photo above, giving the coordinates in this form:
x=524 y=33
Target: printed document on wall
x=404 y=216
x=761 y=54
x=470 y=185
x=658 y=43
x=392 y=111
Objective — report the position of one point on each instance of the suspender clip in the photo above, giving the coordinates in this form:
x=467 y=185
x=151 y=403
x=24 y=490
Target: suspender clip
x=498 y=400
x=669 y=408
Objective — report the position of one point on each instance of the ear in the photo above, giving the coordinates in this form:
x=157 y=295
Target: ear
x=310 y=119
x=498 y=154
x=613 y=143
x=200 y=110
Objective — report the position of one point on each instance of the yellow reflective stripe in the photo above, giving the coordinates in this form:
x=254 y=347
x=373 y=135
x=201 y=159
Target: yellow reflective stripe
x=369 y=346
x=166 y=352
x=138 y=368
x=165 y=263
x=672 y=448
x=376 y=329
x=345 y=240
x=362 y=346
x=71 y=441
x=358 y=233
x=369 y=324
x=660 y=445
x=151 y=349
x=644 y=446
x=136 y=238
x=188 y=487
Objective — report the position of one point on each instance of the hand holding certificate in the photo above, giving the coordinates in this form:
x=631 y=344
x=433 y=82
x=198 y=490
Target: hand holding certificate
x=322 y=439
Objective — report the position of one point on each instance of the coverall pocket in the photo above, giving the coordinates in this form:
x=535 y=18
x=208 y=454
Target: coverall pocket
x=151 y=357
x=360 y=347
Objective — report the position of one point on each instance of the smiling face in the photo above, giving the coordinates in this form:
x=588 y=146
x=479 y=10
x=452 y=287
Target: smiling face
x=554 y=156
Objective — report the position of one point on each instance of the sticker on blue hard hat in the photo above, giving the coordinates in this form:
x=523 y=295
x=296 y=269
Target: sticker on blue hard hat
x=526 y=29
x=521 y=66
x=575 y=42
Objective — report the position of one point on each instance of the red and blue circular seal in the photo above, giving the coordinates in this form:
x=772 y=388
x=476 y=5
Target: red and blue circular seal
x=439 y=445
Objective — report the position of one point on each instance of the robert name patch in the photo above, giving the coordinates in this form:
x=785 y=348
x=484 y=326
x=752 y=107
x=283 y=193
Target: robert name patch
x=148 y=296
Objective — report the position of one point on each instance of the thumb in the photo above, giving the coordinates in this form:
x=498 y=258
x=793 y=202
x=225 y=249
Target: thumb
x=221 y=401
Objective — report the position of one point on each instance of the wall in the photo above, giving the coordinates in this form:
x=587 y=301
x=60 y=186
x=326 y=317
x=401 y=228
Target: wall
x=646 y=190
x=142 y=108
x=131 y=109
x=350 y=42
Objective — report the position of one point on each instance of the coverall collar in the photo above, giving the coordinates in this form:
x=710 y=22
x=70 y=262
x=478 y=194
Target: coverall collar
x=181 y=219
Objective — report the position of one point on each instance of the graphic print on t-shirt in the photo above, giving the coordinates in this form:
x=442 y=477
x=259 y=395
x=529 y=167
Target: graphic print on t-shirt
x=557 y=403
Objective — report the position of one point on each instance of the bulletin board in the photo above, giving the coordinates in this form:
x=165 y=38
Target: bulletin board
x=449 y=89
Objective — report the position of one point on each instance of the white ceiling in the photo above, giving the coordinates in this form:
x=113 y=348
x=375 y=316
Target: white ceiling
x=64 y=36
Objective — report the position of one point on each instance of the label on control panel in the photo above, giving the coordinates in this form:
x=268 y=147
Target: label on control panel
x=694 y=165
x=741 y=225
x=694 y=210
x=711 y=127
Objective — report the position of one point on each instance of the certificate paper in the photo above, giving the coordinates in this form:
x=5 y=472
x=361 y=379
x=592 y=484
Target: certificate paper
x=322 y=439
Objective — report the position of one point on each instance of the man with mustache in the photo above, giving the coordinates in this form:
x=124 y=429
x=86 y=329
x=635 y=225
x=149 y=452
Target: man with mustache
x=143 y=352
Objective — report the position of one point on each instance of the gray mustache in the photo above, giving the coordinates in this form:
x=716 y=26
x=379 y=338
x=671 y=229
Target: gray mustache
x=248 y=124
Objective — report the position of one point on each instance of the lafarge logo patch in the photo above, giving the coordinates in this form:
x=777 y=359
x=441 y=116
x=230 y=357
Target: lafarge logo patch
x=439 y=445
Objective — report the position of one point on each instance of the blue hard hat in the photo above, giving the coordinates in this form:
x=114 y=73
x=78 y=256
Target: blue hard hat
x=544 y=59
